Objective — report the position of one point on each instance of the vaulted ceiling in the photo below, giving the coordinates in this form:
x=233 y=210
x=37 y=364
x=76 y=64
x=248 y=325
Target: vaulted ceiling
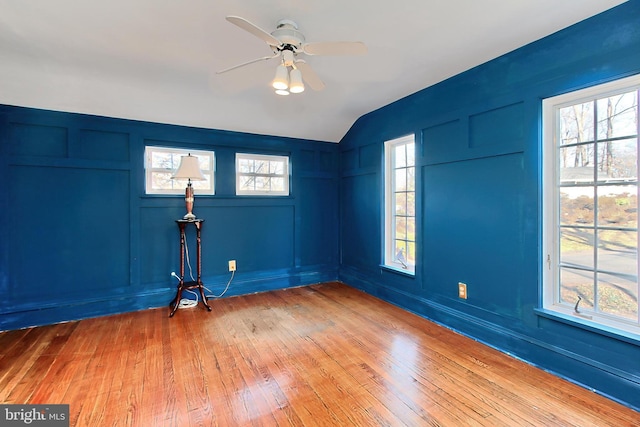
x=156 y=60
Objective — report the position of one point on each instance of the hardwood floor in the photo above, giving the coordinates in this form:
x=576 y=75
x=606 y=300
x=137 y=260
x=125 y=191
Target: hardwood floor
x=322 y=355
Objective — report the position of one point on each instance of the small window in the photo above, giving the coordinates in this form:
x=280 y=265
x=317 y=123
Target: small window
x=262 y=175
x=161 y=163
x=400 y=204
x=590 y=189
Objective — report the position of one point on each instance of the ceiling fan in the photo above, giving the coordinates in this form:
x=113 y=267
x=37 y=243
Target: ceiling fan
x=287 y=42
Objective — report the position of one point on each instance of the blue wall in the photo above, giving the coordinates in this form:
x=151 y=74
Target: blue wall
x=478 y=201
x=79 y=238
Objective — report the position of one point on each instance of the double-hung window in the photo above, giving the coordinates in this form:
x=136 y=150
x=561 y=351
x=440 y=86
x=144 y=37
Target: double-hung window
x=400 y=200
x=590 y=188
x=160 y=163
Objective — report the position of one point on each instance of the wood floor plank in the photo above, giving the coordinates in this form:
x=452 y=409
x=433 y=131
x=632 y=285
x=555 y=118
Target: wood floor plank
x=519 y=382
x=396 y=374
x=443 y=382
x=321 y=355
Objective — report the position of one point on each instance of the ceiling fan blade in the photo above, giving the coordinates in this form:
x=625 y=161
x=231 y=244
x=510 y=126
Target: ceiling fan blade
x=264 y=58
x=335 y=48
x=309 y=76
x=254 y=29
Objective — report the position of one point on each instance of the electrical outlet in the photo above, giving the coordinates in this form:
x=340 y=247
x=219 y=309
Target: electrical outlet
x=462 y=290
x=232 y=265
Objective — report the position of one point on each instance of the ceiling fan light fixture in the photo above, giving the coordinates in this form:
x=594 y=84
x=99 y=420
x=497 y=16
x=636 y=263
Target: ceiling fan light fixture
x=281 y=80
x=296 y=85
x=282 y=92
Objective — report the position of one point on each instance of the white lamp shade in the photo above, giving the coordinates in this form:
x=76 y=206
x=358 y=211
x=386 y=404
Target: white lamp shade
x=189 y=169
x=296 y=85
x=282 y=92
x=281 y=80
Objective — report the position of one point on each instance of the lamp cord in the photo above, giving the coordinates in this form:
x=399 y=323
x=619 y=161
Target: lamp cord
x=186 y=253
x=188 y=303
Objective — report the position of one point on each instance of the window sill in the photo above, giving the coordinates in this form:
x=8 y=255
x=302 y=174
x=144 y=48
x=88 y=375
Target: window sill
x=574 y=320
x=403 y=272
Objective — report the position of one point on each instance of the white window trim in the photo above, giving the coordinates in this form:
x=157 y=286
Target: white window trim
x=390 y=260
x=285 y=174
x=551 y=300
x=180 y=183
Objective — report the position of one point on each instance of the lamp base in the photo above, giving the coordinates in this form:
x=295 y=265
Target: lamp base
x=189 y=216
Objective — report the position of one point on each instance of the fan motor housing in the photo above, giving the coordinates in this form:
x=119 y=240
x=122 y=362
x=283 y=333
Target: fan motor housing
x=287 y=32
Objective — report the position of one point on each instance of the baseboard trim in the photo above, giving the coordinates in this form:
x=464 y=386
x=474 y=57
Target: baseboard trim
x=34 y=313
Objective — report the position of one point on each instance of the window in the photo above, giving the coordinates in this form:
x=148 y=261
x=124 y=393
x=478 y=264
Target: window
x=400 y=201
x=590 y=220
x=262 y=175
x=161 y=163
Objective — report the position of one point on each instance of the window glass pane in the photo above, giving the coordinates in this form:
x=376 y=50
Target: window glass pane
x=576 y=123
x=204 y=163
x=245 y=166
x=617 y=160
x=401 y=180
x=247 y=182
x=400 y=158
x=618 y=251
x=577 y=164
x=261 y=166
x=577 y=205
x=162 y=160
x=618 y=295
x=199 y=185
x=401 y=228
x=411 y=254
x=401 y=203
x=277 y=184
x=411 y=179
x=163 y=180
x=401 y=252
x=411 y=204
x=618 y=206
x=577 y=283
x=411 y=228
x=276 y=168
x=617 y=115
x=262 y=183
x=411 y=154
x=577 y=247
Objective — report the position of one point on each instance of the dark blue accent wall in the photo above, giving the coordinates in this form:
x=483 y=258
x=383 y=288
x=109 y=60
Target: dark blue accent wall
x=79 y=237
x=479 y=207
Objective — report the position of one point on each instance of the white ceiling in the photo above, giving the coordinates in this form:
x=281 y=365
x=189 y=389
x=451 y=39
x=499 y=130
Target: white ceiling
x=155 y=60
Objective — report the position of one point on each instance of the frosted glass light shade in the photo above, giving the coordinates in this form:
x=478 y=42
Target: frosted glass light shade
x=281 y=80
x=296 y=85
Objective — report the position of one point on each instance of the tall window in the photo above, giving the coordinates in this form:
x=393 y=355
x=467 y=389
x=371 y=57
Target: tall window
x=160 y=163
x=591 y=204
x=400 y=201
x=262 y=175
